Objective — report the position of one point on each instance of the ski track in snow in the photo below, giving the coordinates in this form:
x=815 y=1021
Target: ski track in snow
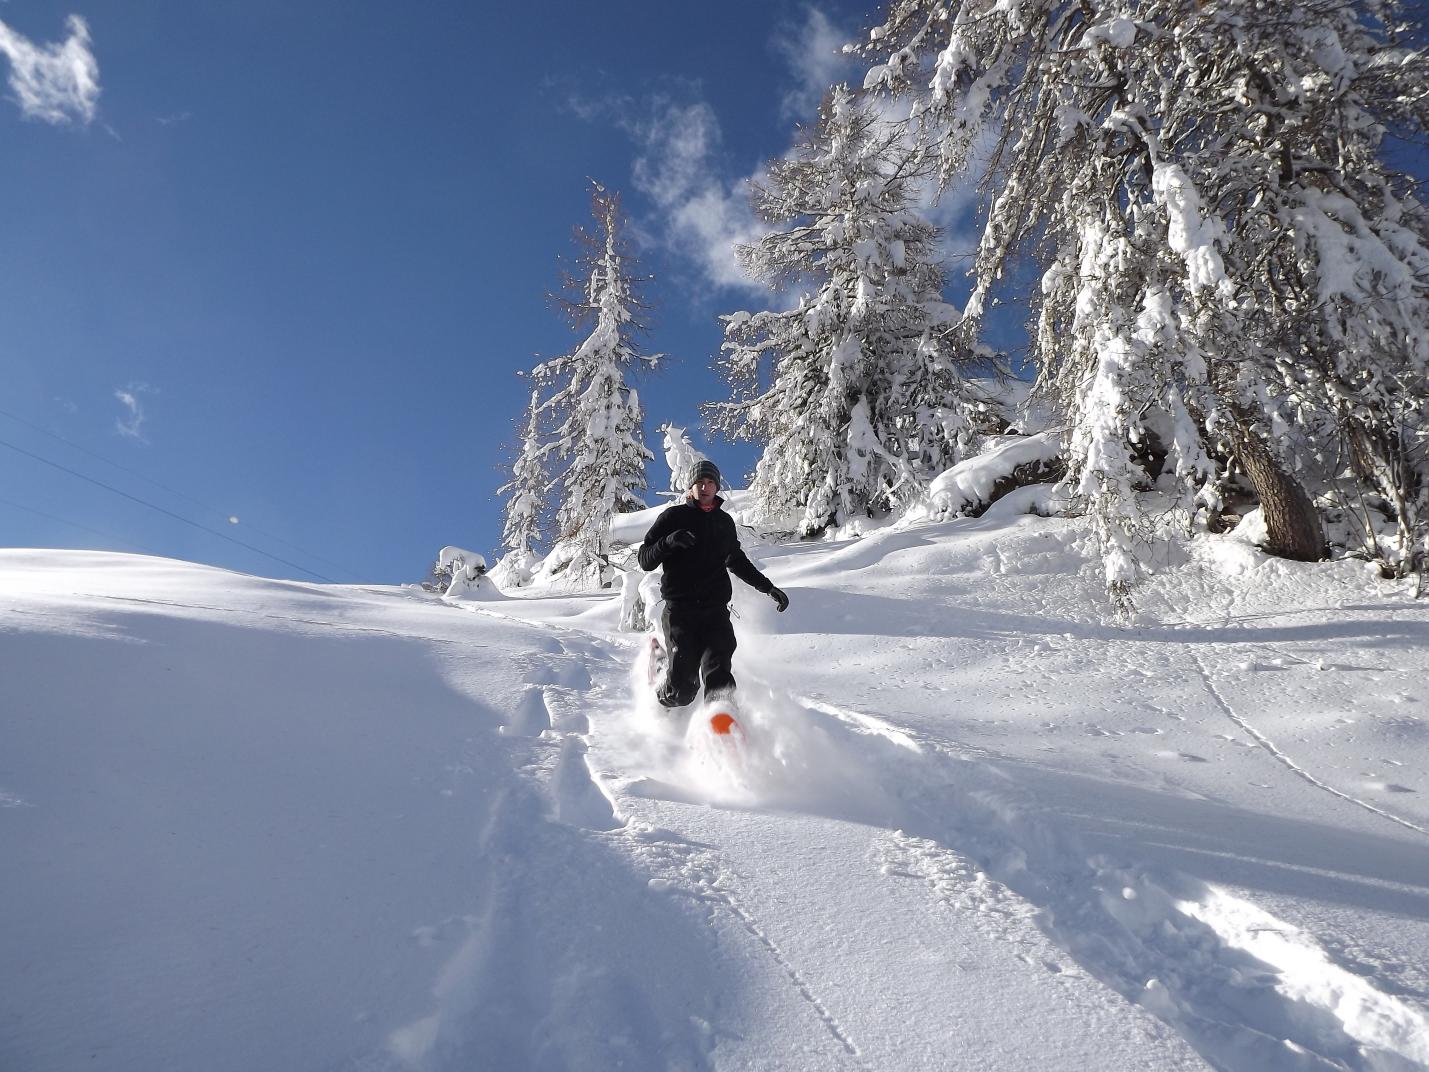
x=696 y=872
x=1269 y=745
x=554 y=715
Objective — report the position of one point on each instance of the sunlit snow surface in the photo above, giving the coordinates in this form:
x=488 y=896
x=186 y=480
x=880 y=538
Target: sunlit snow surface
x=972 y=823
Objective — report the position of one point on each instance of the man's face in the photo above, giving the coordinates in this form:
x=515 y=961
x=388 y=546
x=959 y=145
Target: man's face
x=704 y=490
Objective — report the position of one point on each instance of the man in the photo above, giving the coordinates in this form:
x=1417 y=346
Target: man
x=696 y=543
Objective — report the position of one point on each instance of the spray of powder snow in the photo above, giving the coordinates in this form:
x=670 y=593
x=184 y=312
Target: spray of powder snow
x=785 y=755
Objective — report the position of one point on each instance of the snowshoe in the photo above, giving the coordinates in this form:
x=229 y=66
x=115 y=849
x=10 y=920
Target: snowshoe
x=657 y=663
x=718 y=747
x=721 y=716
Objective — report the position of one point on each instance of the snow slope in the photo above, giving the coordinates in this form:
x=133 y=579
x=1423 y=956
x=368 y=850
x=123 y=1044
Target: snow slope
x=259 y=824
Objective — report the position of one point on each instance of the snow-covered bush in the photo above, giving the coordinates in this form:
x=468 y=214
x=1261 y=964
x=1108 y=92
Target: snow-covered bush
x=570 y=567
x=639 y=593
x=455 y=571
x=515 y=569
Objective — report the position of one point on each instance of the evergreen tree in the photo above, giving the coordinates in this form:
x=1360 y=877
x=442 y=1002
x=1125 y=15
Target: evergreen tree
x=1235 y=277
x=595 y=452
x=856 y=392
x=525 y=508
x=681 y=457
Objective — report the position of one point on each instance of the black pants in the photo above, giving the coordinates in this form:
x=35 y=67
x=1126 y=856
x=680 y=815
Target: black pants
x=701 y=646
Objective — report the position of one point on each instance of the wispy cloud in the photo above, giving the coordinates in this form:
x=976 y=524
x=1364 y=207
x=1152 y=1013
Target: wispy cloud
x=701 y=213
x=131 y=424
x=813 y=50
x=957 y=211
x=55 y=83
x=678 y=143
x=704 y=217
x=701 y=203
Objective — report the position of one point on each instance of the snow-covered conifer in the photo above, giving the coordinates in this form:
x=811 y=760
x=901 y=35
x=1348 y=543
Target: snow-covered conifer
x=857 y=391
x=1235 y=278
x=595 y=451
x=526 y=505
x=681 y=456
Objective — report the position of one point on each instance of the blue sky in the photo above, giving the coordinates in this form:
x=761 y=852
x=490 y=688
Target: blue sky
x=284 y=267
x=288 y=267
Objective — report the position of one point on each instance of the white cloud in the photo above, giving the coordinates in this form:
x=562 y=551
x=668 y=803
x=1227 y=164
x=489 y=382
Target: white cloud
x=131 y=424
x=678 y=143
x=700 y=213
x=957 y=211
x=56 y=83
x=712 y=224
x=952 y=210
x=702 y=216
x=813 y=50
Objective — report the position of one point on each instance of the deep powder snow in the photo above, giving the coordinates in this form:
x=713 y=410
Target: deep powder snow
x=975 y=823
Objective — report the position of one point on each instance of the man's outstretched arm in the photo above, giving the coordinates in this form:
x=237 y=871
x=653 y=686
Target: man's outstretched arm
x=739 y=564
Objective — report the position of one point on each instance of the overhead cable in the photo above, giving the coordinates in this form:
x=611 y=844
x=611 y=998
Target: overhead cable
x=172 y=491
x=166 y=513
x=76 y=525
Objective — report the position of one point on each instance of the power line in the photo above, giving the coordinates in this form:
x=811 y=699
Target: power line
x=101 y=458
x=166 y=513
x=173 y=491
x=82 y=528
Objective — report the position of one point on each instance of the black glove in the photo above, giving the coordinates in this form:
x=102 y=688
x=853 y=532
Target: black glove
x=680 y=540
x=780 y=599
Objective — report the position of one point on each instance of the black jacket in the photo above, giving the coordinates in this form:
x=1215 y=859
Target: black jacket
x=701 y=573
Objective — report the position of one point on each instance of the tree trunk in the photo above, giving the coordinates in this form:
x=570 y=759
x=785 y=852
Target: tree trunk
x=1292 y=523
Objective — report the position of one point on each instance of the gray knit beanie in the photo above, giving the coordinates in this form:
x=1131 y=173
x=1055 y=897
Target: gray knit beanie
x=704 y=468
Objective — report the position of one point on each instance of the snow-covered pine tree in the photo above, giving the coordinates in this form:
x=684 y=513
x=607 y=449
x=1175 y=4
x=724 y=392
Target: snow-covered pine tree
x=681 y=456
x=857 y=392
x=1236 y=278
x=595 y=451
x=525 y=521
